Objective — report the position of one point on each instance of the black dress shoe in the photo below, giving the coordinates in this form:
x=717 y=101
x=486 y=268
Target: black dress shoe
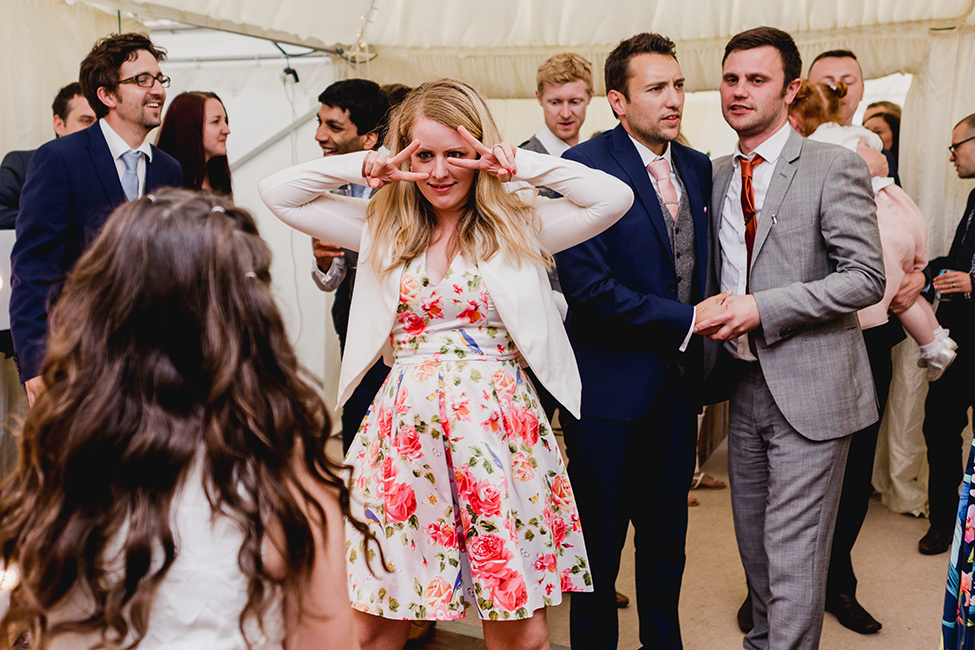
x=851 y=614
x=934 y=542
x=746 y=619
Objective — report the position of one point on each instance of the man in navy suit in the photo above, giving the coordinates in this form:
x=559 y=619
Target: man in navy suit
x=631 y=292
x=73 y=183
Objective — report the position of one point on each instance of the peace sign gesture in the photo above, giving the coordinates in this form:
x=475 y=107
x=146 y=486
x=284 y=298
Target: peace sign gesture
x=498 y=161
x=379 y=169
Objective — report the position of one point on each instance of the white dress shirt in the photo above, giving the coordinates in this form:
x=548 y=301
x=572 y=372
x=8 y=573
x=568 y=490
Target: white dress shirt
x=731 y=231
x=647 y=156
x=117 y=146
x=554 y=145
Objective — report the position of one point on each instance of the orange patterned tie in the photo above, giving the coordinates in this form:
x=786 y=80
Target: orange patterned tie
x=748 y=203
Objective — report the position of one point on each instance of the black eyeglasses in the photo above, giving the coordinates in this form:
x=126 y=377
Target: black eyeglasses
x=953 y=148
x=146 y=80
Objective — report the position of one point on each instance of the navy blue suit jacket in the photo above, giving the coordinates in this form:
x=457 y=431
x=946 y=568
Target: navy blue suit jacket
x=13 y=171
x=72 y=186
x=624 y=321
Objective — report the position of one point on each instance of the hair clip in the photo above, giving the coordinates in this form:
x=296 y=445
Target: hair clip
x=151 y=198
x=218 y=208
x=251 y=275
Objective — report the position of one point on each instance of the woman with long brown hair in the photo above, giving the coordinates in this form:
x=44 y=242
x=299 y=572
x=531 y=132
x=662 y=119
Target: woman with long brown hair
x=194 y=132
x=455 y=466
x=173 y=490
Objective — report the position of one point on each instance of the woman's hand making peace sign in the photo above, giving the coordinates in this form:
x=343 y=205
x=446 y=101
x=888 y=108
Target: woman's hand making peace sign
x=498 y=161
x=379 y=169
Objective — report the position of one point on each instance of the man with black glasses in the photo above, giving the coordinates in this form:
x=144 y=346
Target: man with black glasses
x=949 y=398
x=73 y=183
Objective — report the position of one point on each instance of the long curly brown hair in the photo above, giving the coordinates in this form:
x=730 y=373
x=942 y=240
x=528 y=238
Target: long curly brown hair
x=165 y=347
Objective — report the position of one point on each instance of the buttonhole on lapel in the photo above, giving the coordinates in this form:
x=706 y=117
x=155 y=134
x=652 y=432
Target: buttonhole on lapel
x=774 y=220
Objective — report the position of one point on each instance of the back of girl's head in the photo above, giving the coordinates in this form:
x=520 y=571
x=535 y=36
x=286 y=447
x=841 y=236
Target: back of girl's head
x=815 y=104
x=165 y=346
x=181 y=136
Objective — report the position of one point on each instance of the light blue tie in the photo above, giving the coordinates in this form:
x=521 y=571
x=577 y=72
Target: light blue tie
x=130 y=179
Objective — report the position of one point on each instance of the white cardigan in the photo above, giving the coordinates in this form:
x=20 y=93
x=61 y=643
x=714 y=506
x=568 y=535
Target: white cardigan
x=593 y=201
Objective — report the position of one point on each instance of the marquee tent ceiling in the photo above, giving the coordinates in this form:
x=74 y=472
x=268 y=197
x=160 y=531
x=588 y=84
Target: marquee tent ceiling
x=498 y=45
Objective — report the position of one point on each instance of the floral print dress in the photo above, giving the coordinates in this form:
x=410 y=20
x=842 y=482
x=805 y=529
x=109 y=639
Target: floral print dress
x=958 y=625
x=456 y=469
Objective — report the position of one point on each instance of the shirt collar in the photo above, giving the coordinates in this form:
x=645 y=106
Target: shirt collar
x=554 y=145
x=770 y=149
x=117 y=146
x=648 y=156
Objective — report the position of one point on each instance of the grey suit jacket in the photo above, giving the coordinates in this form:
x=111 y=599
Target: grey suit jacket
x=816 y=260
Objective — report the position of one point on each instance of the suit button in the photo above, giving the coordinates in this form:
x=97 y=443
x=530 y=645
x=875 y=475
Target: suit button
x=676 y=231
x=679 y=278
x=672 y=287
x=677 y=256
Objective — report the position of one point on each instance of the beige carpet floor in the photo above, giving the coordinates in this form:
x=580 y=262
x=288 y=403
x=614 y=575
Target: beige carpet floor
x=900 y=587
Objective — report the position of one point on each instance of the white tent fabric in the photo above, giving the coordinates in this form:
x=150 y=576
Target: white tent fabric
x=41 y=43
x=497 y=46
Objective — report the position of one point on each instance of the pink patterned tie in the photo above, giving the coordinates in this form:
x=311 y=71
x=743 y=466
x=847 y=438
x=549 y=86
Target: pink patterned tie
x=660 y=169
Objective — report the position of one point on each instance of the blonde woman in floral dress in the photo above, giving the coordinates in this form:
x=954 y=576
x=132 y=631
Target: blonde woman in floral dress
x=455 y=467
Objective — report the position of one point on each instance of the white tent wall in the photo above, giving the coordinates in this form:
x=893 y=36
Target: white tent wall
x=41 y=44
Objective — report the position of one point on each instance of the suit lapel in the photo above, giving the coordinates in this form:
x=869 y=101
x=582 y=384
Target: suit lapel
x=629 y=159
x=104 y=165
x=723 y=169
x=152 y=172
x=782 y=177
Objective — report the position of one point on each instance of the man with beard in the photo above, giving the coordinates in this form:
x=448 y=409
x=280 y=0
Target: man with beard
x=631 y=292
x=796 y=241
x=74 y=182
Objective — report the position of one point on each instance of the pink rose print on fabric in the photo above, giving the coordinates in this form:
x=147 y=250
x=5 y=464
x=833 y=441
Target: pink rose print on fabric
x=485 y=499
x=413 y=324
x=424 y=371
x=387 y=474
x=464 y=480
x=567 y=580
x=442 y=534
x=433 y=307
x=504 y=383
x=970 y=524
x=437 y=593
x=401 y=408
x=521 y=467
x=546 y=563
x=489 y=558
x=529 y=431
x=385 y=423
x=408 y=442
x=400 y=501
x=472 y=312
x=562 y=492
x=492 y=424
x=458 y=289
x=510 y=592
x=460 y=404
x=966 y=587
x=559 y=530
x=409 y=289
x=514 y=419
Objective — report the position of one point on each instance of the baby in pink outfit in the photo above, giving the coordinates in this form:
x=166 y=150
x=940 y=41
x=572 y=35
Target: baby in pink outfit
x=903 y=232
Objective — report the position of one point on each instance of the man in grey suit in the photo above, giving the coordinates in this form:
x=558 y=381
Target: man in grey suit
x=796 y=240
